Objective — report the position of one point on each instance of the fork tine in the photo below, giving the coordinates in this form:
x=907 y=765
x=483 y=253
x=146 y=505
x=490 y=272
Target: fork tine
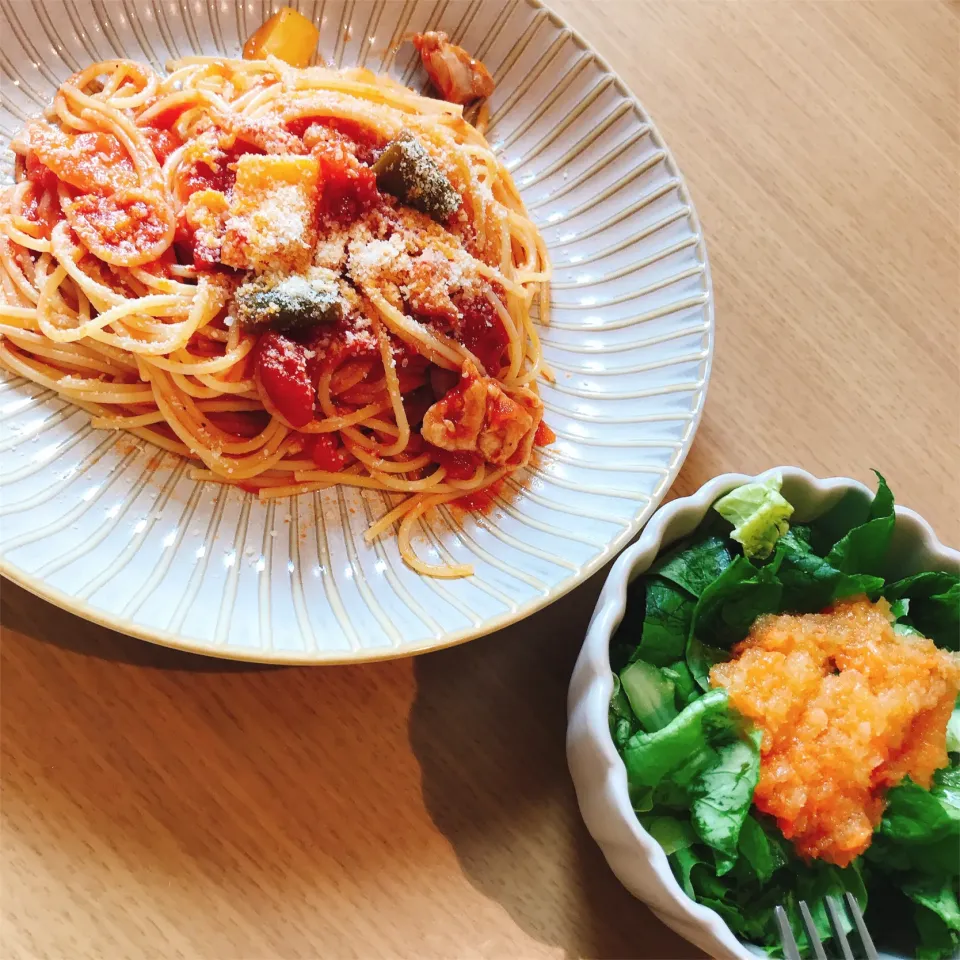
x=869 y=950
x=815 y=940
x=835 y=910
x=790 y=949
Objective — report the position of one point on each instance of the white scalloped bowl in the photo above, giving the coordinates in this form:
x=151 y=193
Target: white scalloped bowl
x=115 y=530
x=599 y=775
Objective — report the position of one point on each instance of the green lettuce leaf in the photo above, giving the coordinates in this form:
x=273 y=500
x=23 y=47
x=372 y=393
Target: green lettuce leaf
x=934 y=598
x=666 y=624
x=864 y=548
x=762 y=848
x=683 y=746
x=810 y=583
x=946 y=788
x=759 y=515
x=722 y=794
x=671 y=833
x=953 y=729
x=916 y=815
x=701 y=658
x=622 y=722
x=821 y=880
x=728 y=607
x=702 y=761
x=937 y=916
x=650 y=694
x=685 y=685
x=919 y=833
x=695 y=566
x=684 y=861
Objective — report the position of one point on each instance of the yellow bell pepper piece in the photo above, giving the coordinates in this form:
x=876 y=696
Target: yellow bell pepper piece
x=288 y=35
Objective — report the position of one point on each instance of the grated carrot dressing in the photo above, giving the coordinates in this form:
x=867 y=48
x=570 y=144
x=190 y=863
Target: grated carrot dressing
x=847 y=708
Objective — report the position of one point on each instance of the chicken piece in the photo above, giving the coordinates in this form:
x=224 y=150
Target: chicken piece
x=533 y=406
x=458 y=77
x=478 y=415
x=454 y=423
x=506 y=423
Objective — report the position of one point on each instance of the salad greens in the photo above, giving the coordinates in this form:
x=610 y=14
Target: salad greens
x=693 y=763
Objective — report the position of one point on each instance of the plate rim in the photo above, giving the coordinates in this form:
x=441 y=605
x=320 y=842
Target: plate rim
x=175 y=641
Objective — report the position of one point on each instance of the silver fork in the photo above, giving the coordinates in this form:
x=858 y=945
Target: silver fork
x=835 y=909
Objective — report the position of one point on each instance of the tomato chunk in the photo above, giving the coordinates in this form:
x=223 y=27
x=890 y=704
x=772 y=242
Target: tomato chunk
x=281 y=374
x=544 y=435
x=327 y=453
x=349 y=187
x=246 y=424
x=91 y=162
x=200 y=175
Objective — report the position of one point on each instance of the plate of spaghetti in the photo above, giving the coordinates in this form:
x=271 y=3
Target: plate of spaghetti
x=332 y=333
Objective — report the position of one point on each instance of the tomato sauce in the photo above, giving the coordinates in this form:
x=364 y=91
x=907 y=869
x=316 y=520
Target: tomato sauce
x=200 y=176
x=168 y=117
x=481 y=501
x=162 y=141
x=482 y=333
x=416 y=404
x=459 y=464
x=361 y=141
x=347 y=191
x=126 y=224
x=41 y=176
x=337 y=345
x=42 y=207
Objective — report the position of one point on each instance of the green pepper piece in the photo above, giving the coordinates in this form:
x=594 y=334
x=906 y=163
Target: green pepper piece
x=292 y=304
x=407 y=171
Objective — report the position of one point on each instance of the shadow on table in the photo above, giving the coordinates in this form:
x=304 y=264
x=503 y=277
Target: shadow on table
x=497 y=786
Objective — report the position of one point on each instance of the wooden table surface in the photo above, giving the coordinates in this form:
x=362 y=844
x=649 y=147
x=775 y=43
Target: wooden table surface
x=159 y=805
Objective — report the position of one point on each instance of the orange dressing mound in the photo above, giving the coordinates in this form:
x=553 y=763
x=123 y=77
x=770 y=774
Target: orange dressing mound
x=847 y=708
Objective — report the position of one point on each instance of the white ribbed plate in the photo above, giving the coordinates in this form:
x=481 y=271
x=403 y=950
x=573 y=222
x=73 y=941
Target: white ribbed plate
x=113 y=529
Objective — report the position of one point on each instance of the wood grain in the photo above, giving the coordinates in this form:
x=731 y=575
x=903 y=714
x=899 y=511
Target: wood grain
x=160 y=805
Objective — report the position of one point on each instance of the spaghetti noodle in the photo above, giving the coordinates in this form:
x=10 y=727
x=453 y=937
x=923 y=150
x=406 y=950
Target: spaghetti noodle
x=295 y=277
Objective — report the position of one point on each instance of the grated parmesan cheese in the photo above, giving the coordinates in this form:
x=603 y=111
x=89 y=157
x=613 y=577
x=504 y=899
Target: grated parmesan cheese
x=271 y=222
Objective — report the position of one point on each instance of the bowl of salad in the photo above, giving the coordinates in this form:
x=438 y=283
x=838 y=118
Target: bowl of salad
x=764 y=712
